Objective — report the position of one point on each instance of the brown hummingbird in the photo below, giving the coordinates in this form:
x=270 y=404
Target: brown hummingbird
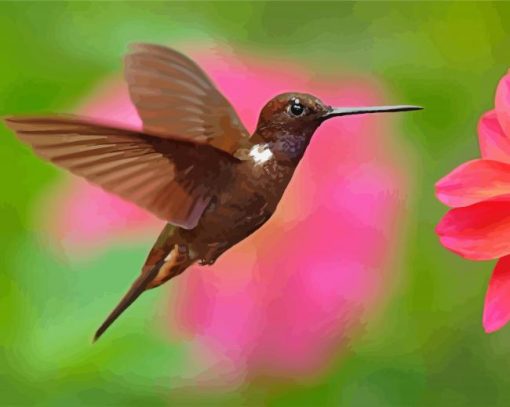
x=194 y=165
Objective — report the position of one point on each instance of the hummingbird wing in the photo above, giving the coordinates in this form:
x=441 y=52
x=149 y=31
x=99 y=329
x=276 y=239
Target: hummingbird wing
x=174 y=97
x=173 y=179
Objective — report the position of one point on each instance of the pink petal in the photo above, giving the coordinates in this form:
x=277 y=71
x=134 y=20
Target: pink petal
x=496 y=311
x=473 y=182
x=478 y=232
x=494 y=144
x=503 y=103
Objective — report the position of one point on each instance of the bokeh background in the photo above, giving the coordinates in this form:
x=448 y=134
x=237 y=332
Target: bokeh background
x=423 y=344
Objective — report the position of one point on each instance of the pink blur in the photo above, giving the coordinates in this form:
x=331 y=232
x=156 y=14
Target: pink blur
x=289 y=298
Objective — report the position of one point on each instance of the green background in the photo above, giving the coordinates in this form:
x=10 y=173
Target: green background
x=427 y=348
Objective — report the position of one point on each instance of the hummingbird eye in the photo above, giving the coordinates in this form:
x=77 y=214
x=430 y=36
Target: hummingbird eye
x=296 y=108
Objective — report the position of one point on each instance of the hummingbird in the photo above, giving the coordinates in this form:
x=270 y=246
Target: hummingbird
x=193 y=165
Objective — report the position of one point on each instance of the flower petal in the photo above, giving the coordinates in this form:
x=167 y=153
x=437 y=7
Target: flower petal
x=503 y=103
x=496 y=311
x=473 y=182
x=494 y=144
x=478 y=232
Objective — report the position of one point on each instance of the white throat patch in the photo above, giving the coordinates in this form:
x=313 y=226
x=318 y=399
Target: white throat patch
x=261 y=153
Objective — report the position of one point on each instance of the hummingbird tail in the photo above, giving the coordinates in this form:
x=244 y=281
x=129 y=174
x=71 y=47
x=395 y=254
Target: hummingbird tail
x=166 y=260
x=138 y=287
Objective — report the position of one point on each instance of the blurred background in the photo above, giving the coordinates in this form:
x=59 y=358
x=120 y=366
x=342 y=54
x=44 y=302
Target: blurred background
x=407 y=333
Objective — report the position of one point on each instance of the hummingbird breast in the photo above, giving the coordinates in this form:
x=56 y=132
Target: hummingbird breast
x=243 y=206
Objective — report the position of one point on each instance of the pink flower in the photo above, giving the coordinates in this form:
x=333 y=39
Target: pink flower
x=478 y=227
x=286 y=299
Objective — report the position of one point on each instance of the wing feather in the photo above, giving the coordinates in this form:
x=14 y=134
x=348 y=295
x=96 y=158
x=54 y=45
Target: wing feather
x=174 y=179
x=174 y=97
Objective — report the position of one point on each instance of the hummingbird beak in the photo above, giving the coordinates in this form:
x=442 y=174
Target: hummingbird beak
x=345 y=111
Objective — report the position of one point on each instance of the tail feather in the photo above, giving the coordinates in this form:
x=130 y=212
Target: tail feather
x=138 y=287
x=166 y=260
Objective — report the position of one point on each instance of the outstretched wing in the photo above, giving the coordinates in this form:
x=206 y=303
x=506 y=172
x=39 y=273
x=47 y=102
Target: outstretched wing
x=173 y=179
x=175 y=97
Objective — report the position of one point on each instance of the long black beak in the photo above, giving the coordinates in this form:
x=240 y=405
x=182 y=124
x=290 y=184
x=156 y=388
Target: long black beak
x=345 y=111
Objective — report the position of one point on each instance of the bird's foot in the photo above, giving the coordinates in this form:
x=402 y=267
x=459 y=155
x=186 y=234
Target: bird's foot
x=206 y=262
x=182 y=253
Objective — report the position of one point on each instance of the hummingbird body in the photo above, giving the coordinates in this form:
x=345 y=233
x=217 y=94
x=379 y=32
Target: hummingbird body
x=193 y=165
x=247 y=202
x=251 y=196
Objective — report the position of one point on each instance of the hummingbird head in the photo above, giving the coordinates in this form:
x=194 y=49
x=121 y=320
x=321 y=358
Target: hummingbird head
x=296 y=113
x=300 y=114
